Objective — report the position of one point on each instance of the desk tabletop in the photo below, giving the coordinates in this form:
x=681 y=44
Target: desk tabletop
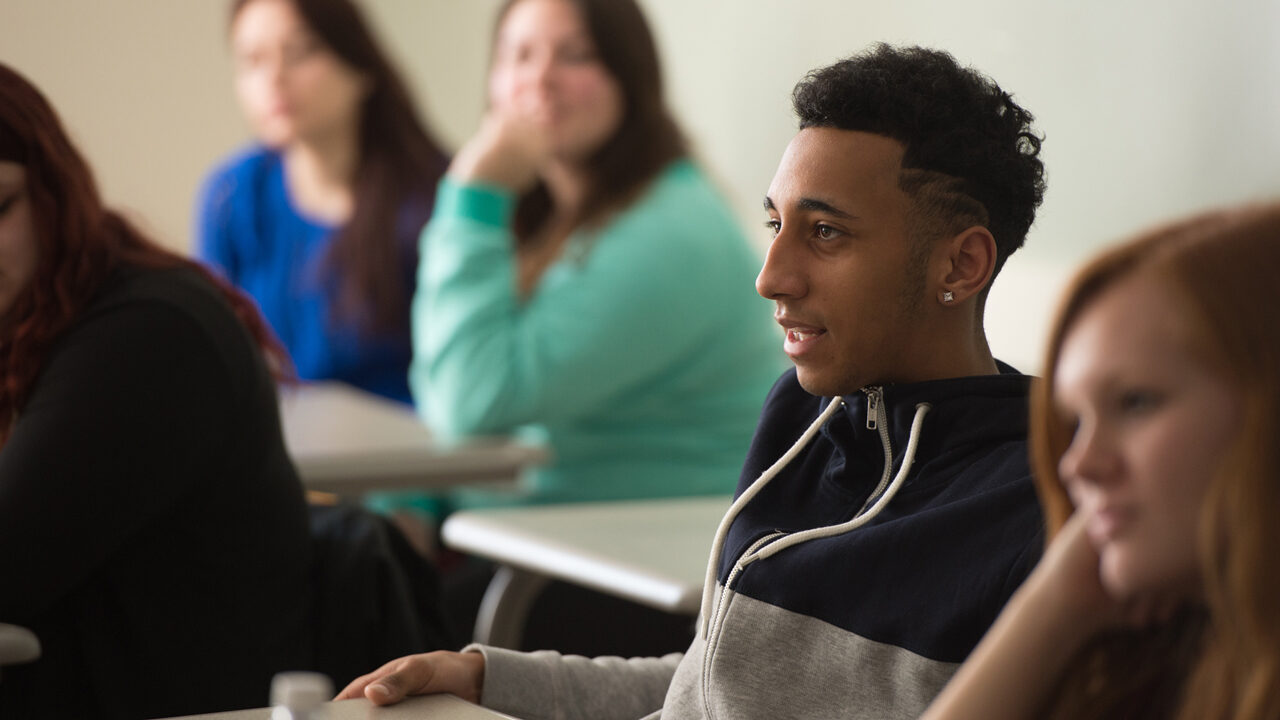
x=653 y=552
x=435 y=707
x=345 y=440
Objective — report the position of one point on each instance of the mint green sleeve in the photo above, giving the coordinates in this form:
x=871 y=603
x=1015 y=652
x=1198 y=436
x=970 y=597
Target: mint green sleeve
x=602 y=324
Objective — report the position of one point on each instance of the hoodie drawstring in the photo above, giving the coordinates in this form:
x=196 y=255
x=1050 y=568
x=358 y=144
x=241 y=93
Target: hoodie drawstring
x=862 y=518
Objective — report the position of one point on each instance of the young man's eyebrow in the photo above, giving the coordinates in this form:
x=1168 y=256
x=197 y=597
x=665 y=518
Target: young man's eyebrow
x=826 y=207
x=812 y=204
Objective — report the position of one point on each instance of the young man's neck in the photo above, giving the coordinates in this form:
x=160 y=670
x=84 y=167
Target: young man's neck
x=950 y=353
x=972 y=358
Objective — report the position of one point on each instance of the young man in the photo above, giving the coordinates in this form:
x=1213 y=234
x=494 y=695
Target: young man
x=866 y=555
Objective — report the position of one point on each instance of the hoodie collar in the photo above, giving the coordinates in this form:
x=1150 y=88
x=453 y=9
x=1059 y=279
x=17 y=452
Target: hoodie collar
x=964 y=410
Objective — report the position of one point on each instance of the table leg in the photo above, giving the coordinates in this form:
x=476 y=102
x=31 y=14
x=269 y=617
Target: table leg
x=505 y=606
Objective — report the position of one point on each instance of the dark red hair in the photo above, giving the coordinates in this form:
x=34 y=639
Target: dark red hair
x=79 y=243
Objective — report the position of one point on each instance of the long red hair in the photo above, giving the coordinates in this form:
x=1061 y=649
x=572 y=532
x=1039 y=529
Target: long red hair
x=79 y=243
x=1224 y=660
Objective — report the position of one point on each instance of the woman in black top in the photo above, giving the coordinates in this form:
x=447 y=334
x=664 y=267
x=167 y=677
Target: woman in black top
x=152 y=528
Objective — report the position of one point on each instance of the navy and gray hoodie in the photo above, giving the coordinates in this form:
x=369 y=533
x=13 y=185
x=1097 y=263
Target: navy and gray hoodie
x=874 y=540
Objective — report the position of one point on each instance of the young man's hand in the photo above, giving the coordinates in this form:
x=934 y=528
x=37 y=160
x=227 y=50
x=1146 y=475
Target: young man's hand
x=461 y=674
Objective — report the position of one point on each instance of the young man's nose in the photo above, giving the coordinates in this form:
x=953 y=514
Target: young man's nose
x=782 y=273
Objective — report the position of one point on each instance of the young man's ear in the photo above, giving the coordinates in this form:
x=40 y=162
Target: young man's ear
x=968 y=259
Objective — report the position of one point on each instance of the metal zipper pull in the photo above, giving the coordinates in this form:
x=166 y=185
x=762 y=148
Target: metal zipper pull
x=873 y=404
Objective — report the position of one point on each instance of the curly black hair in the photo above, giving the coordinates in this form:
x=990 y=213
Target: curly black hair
x=970 y=157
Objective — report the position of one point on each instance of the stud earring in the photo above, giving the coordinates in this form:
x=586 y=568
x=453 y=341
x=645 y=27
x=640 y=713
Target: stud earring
x=948 y=296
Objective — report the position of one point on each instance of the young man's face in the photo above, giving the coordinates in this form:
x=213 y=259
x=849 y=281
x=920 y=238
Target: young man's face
x=848 y=288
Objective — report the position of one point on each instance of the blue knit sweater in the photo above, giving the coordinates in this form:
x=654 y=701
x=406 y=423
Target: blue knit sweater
x=249 y=229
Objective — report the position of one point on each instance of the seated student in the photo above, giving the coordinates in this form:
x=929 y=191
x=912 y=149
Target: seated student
x=1156 y=459
x=867 y=554
x=582 y=281
x=152 y=529
x=319 y=221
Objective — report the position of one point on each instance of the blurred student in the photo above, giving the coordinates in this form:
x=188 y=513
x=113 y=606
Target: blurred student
x=152 y=528
x=319 y=221
x=885 y=511
x=1155 y=435
x=582 y=282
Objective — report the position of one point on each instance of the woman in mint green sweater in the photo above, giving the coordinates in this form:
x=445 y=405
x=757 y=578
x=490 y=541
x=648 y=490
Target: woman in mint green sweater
x=581 y=281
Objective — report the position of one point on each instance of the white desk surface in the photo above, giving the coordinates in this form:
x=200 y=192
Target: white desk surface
x=653 y=552
x=425 y=707
x=344 y=440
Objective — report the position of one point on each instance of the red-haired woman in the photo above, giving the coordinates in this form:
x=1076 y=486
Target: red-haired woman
x=1154 y=439
x=152 y=529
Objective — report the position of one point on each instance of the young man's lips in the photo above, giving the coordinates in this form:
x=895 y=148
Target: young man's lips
x=801 y=338
x=799 y=335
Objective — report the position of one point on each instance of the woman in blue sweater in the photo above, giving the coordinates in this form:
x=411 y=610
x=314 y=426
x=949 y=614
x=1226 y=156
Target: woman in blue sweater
x=319 y=221
x=582 y=281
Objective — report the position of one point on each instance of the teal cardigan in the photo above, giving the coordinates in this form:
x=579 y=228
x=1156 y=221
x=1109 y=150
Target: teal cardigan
x=641 y=358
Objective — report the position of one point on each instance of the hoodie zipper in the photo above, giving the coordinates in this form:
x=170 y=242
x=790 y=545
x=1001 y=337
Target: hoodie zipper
x=878 y=419
x=713 y=635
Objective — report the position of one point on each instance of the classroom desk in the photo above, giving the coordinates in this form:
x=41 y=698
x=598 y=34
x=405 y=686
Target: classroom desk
x=435 y=707
x=346 y=441
x=653 y=552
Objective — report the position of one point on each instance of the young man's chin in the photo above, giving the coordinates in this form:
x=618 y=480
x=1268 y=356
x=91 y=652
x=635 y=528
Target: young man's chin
x=818 y=383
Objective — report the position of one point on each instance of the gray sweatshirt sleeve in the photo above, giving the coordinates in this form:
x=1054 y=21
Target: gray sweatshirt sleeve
x=546 y=685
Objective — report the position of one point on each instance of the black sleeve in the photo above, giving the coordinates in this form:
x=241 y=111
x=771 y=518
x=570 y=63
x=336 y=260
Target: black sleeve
x=127 y=416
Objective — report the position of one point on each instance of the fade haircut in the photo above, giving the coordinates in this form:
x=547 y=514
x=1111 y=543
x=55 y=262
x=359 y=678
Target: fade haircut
x=971 y=156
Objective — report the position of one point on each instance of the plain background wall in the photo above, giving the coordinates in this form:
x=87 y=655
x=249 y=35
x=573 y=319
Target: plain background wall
x=1150 y=108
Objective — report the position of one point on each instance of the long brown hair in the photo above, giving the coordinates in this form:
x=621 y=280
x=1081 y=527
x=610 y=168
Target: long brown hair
x=1225 y=660
x=79 y=242
x=399 y=164
x=648 y=138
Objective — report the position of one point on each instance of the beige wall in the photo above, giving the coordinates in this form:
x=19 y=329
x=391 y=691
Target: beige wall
x=1151 y=107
